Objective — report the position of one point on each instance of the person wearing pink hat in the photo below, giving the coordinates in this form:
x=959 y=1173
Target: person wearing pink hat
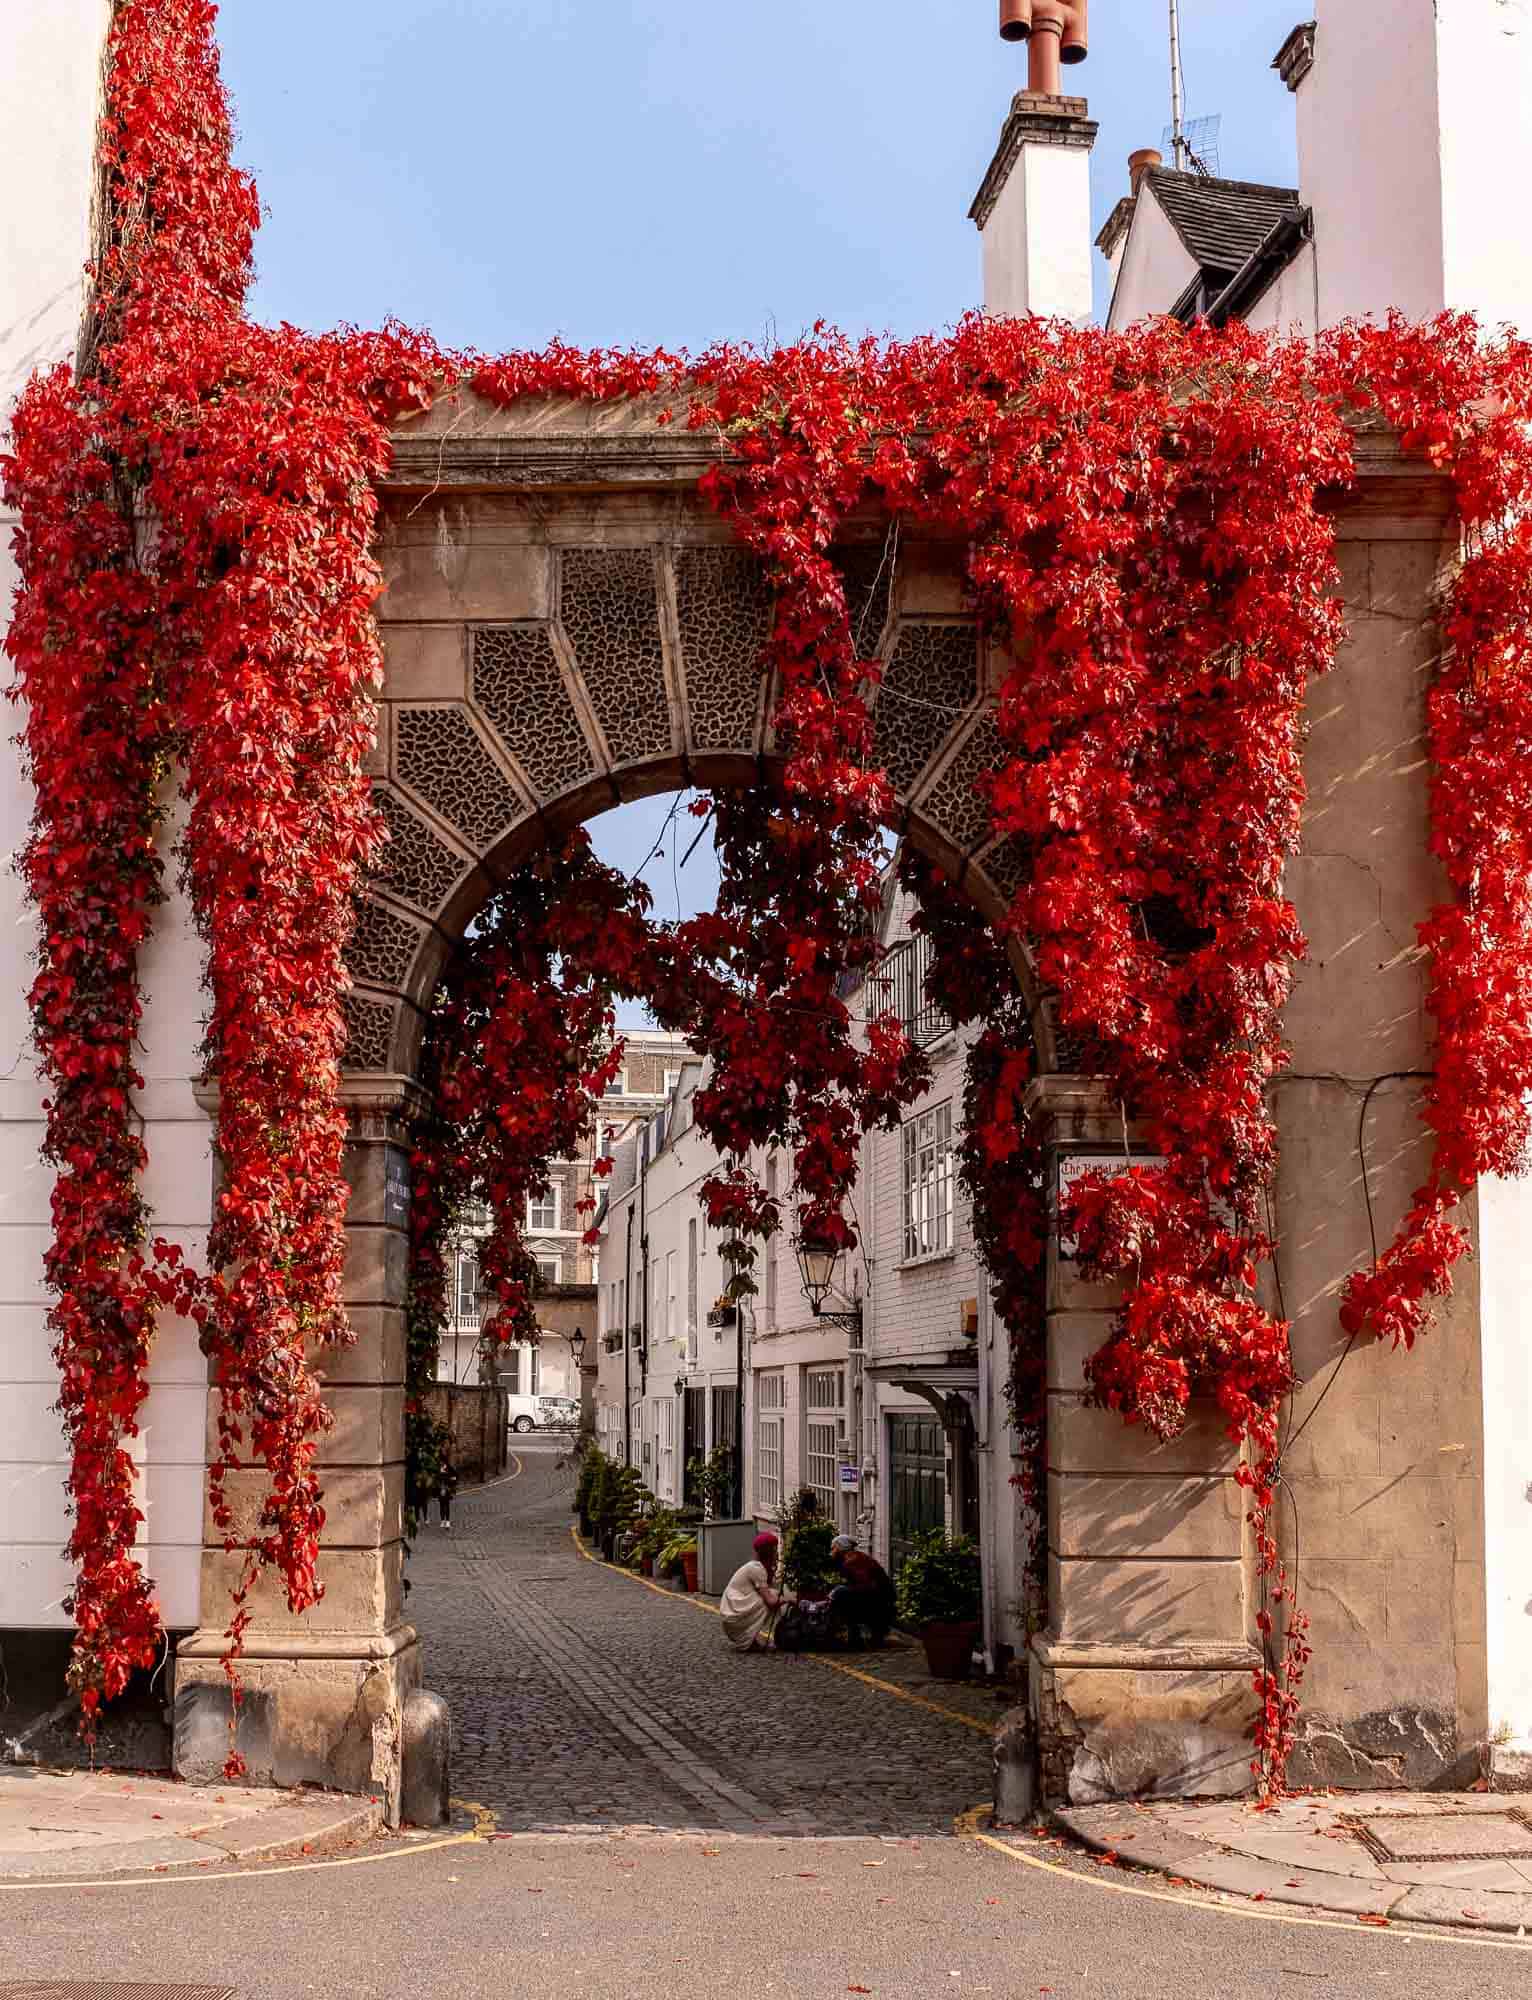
x=750 y=1605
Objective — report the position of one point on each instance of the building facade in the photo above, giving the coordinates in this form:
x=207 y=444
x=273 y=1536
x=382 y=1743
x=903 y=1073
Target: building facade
x=557 y=1224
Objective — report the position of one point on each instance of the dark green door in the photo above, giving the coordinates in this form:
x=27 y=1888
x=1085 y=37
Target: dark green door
x=917 y=1479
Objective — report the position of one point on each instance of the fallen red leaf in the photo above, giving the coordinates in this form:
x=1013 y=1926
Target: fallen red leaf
x=858 y=1989
x=1378 y=1922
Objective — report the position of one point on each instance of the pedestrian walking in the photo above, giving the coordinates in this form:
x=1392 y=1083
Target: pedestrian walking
x=446 y=1486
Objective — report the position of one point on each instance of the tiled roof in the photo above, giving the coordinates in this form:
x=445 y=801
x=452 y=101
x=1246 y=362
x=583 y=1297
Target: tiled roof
x=1220 y=222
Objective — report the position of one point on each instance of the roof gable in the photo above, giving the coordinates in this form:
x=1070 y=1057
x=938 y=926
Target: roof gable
x=1221 y=223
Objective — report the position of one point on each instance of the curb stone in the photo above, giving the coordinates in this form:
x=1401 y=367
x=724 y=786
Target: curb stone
x=276 y=1835
x=1164 y=1851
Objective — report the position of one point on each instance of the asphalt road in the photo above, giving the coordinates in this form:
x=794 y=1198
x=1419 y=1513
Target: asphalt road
x=901 y=1912
x=681 y=1916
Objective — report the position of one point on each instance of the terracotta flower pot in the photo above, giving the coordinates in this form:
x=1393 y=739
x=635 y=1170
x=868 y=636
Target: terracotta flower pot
x=689 y=1568
x=949 y=1645
x=646 y=1565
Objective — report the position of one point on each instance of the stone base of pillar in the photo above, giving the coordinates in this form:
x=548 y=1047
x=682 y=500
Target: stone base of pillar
x=1118 y=1722
x=323 y=1710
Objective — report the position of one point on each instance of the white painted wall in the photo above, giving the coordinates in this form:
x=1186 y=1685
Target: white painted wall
x=1505 y=1261
x=1036 y=244
x=49 y=83
x=1484 y=75
x=1414 y=151
x=1155 y=266
x=1368 y=158
x=1290 y=304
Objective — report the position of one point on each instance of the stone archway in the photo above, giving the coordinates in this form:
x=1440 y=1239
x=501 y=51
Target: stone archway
x=566 y=625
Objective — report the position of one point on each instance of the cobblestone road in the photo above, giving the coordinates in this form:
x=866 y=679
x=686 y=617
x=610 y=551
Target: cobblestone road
x=582 y=1700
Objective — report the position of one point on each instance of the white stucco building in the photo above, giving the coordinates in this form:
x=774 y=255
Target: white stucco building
x=50 y=61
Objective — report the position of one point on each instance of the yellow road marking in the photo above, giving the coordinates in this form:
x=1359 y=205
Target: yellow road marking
x=817 y=1659
x=484 y=1824
x=971 y=1824
x=504 y=1479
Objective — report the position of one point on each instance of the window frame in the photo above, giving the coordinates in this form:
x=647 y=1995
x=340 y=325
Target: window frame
x=770 y=1439
x=538 y=1203
x=928 y=1158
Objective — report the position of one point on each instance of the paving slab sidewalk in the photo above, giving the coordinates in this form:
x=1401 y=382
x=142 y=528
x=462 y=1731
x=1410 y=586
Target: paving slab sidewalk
x=1310 y=1850
x=86 y=1825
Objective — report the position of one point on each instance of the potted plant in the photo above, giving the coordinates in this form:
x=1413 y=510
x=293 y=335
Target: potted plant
x=660 y=1529
x=592 y=1461
x=806 y=1536
x=679 y=1558
x=938 y=1594
x=710 y=1480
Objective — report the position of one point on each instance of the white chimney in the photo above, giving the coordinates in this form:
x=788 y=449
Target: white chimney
x=1033 y=210
x=1414 y=151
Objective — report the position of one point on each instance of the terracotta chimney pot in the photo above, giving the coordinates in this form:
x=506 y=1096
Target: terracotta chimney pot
x=1140 y=162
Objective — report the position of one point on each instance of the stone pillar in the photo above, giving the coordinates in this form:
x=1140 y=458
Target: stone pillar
x=324 y=1693
x=1141 y=1683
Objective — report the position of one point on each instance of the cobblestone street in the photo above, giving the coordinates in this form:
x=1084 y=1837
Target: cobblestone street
x=582 y=1700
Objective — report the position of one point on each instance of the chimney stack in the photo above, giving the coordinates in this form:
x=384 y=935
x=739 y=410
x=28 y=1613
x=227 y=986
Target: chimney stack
x=1033 y=210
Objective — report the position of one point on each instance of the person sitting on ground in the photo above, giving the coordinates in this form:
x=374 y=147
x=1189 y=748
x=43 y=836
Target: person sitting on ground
x=750 y=1605
x=862 y=1603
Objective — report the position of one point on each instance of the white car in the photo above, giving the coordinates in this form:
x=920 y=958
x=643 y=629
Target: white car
x=538 y=1413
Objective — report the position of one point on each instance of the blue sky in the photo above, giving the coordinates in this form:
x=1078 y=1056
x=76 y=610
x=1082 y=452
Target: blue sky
x=678 y=171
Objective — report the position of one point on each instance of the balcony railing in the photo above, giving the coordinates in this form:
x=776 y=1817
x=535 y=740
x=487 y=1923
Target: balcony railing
x=899 y=987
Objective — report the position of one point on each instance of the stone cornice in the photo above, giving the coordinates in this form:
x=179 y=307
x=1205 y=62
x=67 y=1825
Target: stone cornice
x=465 y=445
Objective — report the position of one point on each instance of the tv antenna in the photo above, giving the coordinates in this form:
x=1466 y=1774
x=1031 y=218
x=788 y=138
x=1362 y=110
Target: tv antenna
x=1193 y=143
x=1198 y=142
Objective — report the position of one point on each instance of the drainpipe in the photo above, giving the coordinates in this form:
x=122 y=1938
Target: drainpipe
x=739 y=1410
x=643 y=1252
x=988 y=1509
x=627 y=1345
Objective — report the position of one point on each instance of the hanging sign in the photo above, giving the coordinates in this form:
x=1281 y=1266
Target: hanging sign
x=1074 y=1167
x=850 y=1479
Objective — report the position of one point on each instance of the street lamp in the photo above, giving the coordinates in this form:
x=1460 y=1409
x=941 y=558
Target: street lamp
x=680 y=1385
x=817 y=1258
x=577 y=1344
